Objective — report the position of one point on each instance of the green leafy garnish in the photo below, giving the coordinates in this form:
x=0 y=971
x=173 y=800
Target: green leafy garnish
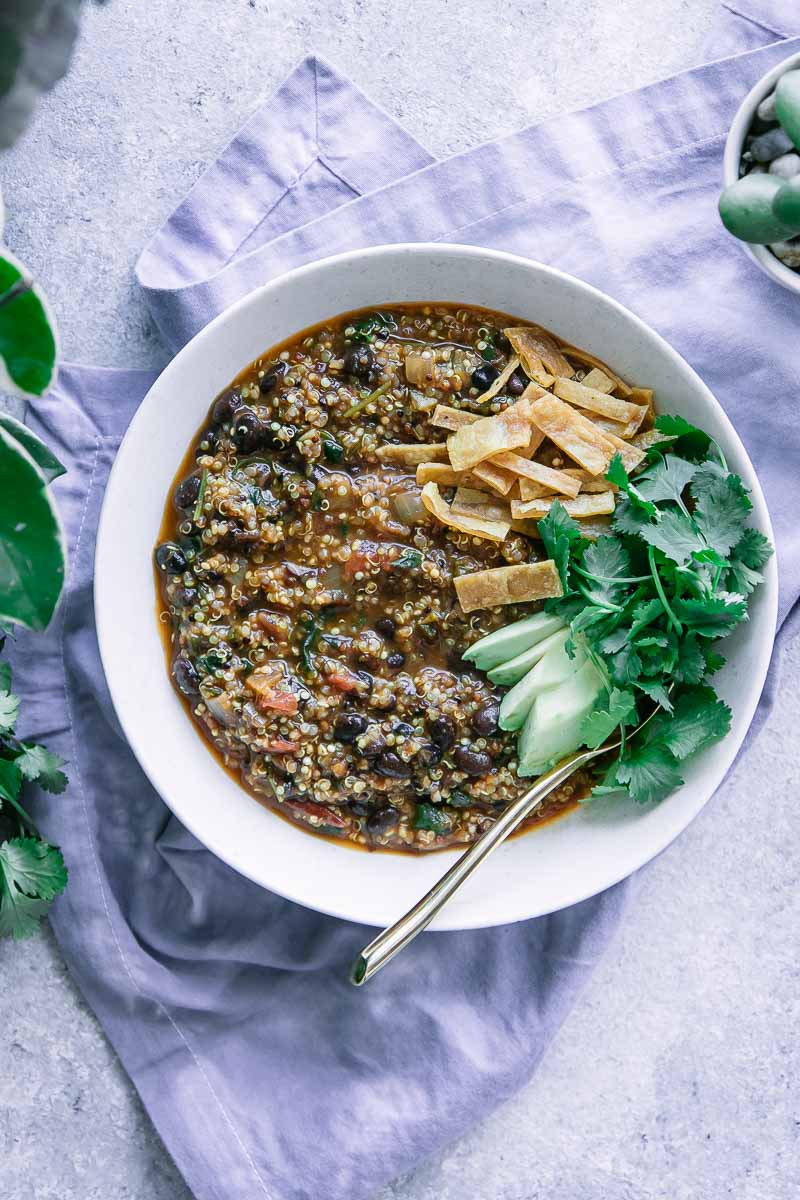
x=32 y=873
x=376 y=324
x=332 y=450
x=355 y=409
x=201 y=495
x=429 y=816
x=311 y=634
x=408 y=559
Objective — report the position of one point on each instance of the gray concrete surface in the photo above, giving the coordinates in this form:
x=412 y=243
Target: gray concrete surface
x=676 y=1075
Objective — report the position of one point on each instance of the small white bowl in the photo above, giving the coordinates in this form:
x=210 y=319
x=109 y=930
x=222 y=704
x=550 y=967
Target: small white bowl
x=734 y=147
x=558 y=865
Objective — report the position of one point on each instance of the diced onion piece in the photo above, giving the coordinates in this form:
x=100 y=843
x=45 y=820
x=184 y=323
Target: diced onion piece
x=409 y=509
x=508 y=585
x=420 y=367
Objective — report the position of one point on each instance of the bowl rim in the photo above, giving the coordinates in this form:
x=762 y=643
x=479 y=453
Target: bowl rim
x=106 y=627
x=734 y=143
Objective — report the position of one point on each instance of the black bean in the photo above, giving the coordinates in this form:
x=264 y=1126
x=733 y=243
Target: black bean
x=187 y=491
x=207 y=442
x=484 y=376
x=392 y=766
x=371 y=742
x=247 y=430
x=348 y=726
x=272 y=373
x=443 y=733
x=429 y=755
x=484 y=721
x=359 y=361
x=403 y=729
x=367 y=682
x=359 y=806
x=386 y=626
x=185 y=676
x=472 y=762
x=396 y=660
x=383 y=820
x=184 y=597
x=516 y=384
x=502 y=343
x=225 y=406
x=170 y=559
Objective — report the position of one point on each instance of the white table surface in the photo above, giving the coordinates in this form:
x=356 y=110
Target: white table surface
x=676 y=1075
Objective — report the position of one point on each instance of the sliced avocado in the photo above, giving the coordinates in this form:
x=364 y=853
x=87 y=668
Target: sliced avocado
x=511 y=640
x=552 y=729
x=513 y=670
x=552 y=669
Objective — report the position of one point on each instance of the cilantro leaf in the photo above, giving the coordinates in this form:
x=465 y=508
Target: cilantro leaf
x=629 y=517
x=690 y=442
x=748 y=556
x=675 y=536
x=607 y=563
x=667 y=479
x=691 y=664
x=37 y=763
x=619 y=708
x=713 y=617
x=9 y=711
x=657 y=692
x=722 y=507
x=650 y=772
x=408 y=559
x=617 y=474
x=10 y=780
x=32 y=873
x=698 y=719
x=625 y=666
x=562 y=537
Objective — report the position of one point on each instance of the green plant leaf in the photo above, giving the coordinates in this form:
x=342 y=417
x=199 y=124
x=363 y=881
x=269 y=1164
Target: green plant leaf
x=41 y=454
x=28 y=348
x=32 y=873
x=42 y=766
x=32 y=556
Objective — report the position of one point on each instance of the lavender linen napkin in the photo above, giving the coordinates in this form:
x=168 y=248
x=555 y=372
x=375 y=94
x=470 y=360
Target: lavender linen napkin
x=266 y=1074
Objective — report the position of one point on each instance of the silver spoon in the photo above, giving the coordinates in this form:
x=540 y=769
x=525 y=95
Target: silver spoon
x=383 y=948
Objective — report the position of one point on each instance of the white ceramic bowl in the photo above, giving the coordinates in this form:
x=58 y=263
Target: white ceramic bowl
x=563 y=862
x=761 y=255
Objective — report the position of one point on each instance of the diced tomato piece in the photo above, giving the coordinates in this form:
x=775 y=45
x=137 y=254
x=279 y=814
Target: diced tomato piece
x=278 y=701
x=345 y=680
x=280 y=746
x=317 y=810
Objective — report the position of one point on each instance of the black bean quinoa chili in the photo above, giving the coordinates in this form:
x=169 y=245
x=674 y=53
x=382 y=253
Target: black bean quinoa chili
x=314 y=631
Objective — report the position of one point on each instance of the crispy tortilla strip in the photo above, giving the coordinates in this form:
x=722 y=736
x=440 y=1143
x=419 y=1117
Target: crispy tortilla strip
x=528 y=490
x=508 y=585
x=583 y=356
x=651 y=437
x=598 y=380
x=592 y=527
x=501 y=381
x=582 y=506
x=590 y=483
x=483 y=439
x=557 y=481
x=414 y=453
x=445 y=417
x=468 y=502
x=598 y=402
x=540 y=356
x=441 y=473
x=493 y=531
x=533 y=391
x=632 y=457
x=574 y=434
x=496 y=478
x=645 y=396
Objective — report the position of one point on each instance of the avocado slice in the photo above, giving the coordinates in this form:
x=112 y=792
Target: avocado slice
x=552 y=728
x=511 y=640
x=512 y=671
x=552 y=668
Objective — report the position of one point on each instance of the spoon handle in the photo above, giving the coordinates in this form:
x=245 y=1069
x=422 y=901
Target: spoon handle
x=394 y=939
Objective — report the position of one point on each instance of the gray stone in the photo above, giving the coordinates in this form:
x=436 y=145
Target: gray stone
x=675 y=1077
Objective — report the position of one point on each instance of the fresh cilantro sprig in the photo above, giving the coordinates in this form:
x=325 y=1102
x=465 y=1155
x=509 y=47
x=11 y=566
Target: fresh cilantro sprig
x=32 y=872
x=649 y=601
